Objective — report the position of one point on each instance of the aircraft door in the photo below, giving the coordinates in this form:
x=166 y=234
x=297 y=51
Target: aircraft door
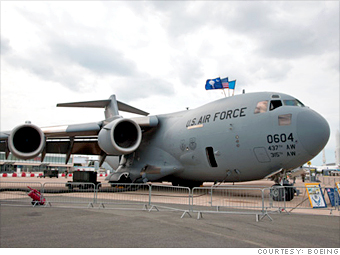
x=261 y=155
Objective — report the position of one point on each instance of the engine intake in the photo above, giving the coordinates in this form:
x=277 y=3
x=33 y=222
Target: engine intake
x=121 y=136
x=26 y=141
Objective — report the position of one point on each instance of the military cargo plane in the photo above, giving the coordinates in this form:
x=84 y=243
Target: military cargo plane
x=241 y=138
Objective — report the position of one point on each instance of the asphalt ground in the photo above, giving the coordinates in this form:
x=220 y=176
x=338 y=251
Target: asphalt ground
x=53 y=227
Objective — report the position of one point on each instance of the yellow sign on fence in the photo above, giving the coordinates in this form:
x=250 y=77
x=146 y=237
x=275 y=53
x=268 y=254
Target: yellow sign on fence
x=316 y=198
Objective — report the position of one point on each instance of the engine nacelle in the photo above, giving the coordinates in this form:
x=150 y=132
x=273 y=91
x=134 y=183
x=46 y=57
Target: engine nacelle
x=119 y=137
x=26 y=141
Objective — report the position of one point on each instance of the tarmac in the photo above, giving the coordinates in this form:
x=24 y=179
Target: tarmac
x=53 y=227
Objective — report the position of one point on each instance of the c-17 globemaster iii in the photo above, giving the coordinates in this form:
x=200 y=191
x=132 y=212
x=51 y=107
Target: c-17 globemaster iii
x=241 y=138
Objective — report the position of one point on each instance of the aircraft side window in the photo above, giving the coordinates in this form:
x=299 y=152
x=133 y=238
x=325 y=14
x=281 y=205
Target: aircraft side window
x=275 y=104
x=261 y=107
x=211 y=156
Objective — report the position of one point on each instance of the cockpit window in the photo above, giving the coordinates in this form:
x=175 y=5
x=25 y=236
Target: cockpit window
x=293 y=102
x=275 y=104
x=261 y=107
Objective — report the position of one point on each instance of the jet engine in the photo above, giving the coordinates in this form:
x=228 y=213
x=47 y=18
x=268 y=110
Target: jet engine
x=26 y=141
x=119 y=137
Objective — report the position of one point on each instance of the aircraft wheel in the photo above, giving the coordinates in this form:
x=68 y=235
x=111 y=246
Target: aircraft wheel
x=277 y=192
x=289 y=192
x=281 y=194
x=124 y=179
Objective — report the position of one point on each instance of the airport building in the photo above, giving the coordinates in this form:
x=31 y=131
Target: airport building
x=50 y=162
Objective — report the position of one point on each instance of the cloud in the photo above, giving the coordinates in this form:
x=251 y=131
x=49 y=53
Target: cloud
x=189 y=70
x=142 y=88
x=5 y=46
x=96 y=58
x=183 y=18
x=48 y=68
x=284 y=30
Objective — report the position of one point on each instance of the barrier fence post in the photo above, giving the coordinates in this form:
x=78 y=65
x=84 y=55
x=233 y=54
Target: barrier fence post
x=150 y=193
x=211 y=195
x=191 y=199
x=263 y=211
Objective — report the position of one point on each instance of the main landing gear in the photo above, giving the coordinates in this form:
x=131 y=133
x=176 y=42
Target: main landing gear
x=283 y=192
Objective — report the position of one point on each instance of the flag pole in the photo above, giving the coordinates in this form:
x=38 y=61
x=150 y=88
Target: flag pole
x=234 y=88
x=224 y=93
x=222 y=86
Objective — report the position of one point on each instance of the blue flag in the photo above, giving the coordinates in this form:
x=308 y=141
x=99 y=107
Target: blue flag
x=232 y=84
x=213 y=84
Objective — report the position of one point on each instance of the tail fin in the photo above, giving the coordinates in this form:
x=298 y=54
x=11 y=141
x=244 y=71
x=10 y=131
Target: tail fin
x=111 y=106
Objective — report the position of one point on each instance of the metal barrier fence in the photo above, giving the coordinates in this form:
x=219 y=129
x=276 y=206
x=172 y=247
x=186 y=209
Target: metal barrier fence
x=123 y=196
x=258 y=201
x=69 y=194
x=166 y=197
x=255 y=200
x=231 y=199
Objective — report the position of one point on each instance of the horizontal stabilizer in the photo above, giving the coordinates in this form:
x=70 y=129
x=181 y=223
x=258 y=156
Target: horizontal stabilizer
x=88 y=104
x=111 y=106
x=127 y=108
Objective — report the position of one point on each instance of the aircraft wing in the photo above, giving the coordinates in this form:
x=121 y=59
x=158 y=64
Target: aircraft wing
x=67 y=139
x=113 y=136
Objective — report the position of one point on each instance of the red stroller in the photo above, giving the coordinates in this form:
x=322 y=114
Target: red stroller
x=36 y=196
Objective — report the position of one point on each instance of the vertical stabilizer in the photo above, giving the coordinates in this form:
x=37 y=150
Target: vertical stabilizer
x=111 y=109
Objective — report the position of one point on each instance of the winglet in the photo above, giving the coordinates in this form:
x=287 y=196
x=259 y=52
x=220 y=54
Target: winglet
x=111 y=106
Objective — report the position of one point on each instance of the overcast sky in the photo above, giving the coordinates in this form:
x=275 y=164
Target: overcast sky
x=157 y=55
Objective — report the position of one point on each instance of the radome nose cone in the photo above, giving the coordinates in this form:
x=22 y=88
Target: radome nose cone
x=313 y=131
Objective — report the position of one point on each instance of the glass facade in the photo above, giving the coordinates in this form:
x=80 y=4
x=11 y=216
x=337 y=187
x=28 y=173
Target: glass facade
x=50 y=162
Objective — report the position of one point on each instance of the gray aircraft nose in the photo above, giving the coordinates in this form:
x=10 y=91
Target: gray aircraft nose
x=313 y=131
